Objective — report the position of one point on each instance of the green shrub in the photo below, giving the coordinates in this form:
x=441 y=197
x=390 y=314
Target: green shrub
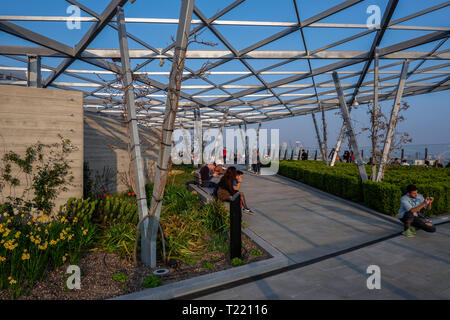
x=236 y=262
x=343 y=180
x=437 y=191
x=118 y=209
x=120 y=277
x=81 y=209
x=382 y=197
x=255 y=252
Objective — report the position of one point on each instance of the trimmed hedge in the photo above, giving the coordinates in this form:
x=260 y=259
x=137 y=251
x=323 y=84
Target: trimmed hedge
x=343 y=180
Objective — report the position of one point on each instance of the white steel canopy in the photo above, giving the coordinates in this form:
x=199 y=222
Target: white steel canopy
x=261 y=83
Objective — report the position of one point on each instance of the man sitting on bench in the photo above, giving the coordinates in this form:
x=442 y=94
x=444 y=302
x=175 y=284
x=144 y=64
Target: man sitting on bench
x=410 y=205
x=205 y=173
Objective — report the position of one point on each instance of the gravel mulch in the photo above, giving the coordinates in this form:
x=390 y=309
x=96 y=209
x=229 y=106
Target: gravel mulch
x=98 y=268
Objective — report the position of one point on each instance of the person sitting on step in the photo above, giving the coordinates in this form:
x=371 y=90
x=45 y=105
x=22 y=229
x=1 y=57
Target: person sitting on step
x=410 y=205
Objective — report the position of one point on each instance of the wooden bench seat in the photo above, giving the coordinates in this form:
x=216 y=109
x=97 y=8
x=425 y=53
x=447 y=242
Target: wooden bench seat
x=205 y=194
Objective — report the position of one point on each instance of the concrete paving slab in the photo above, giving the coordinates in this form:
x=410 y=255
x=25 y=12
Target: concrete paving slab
x=305 y=224
x=421 y=272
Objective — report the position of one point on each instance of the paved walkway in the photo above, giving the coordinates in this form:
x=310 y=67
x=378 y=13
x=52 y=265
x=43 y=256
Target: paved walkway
x=417 y=268
x=304 y=224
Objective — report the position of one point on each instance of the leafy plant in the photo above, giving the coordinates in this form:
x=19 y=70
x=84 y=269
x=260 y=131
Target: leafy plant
x=120 y=277
x=236 y=262
x=189 y=261
x=151 y=281
x=255 y=252
x=208 y=265
x=117 y=209
x=33 y=243
x=81 y=209
x=46 y=169
x=119 y=239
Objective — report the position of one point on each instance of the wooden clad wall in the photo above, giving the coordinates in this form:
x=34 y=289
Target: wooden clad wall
x=29 y=115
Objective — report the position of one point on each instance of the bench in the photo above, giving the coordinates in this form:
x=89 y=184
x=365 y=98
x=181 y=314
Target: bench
x=205 y=194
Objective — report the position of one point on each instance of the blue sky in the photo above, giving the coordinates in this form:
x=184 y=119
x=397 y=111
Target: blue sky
x=426 y=121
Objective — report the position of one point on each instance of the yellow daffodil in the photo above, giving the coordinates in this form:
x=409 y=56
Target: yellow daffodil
x=2 y=259
x=25 y=256
x=6 y=232
x=10 y=244
x=44 y=247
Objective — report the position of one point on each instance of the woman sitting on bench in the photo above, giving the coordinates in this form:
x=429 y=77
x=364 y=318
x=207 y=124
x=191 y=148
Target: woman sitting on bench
x=229 y=185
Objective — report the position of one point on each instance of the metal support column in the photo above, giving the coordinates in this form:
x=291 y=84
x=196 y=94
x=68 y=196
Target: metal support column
x=219 y=138
x=173 y=96
x=393 y=120
x=34 y=72
x=136 y=157
x=324 y=128
x=348 y=124
x=375 y=115
x=319 y=140
x=198 y=137
x=338 y=144
x=247 y=152
x=235 y=226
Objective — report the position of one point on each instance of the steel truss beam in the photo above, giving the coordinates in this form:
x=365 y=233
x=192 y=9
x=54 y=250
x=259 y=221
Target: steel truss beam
x=248 y=105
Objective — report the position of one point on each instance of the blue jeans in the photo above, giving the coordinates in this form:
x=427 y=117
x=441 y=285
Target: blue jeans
x=209 y=184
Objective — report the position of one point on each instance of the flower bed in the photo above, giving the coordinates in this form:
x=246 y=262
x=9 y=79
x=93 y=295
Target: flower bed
x=343 y=180
x=37 y=248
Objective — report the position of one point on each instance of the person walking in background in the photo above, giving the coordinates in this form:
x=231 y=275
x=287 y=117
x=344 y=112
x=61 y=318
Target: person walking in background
x=346 y=156
x=352 y=157
x=304 y=155
x=256 y=165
